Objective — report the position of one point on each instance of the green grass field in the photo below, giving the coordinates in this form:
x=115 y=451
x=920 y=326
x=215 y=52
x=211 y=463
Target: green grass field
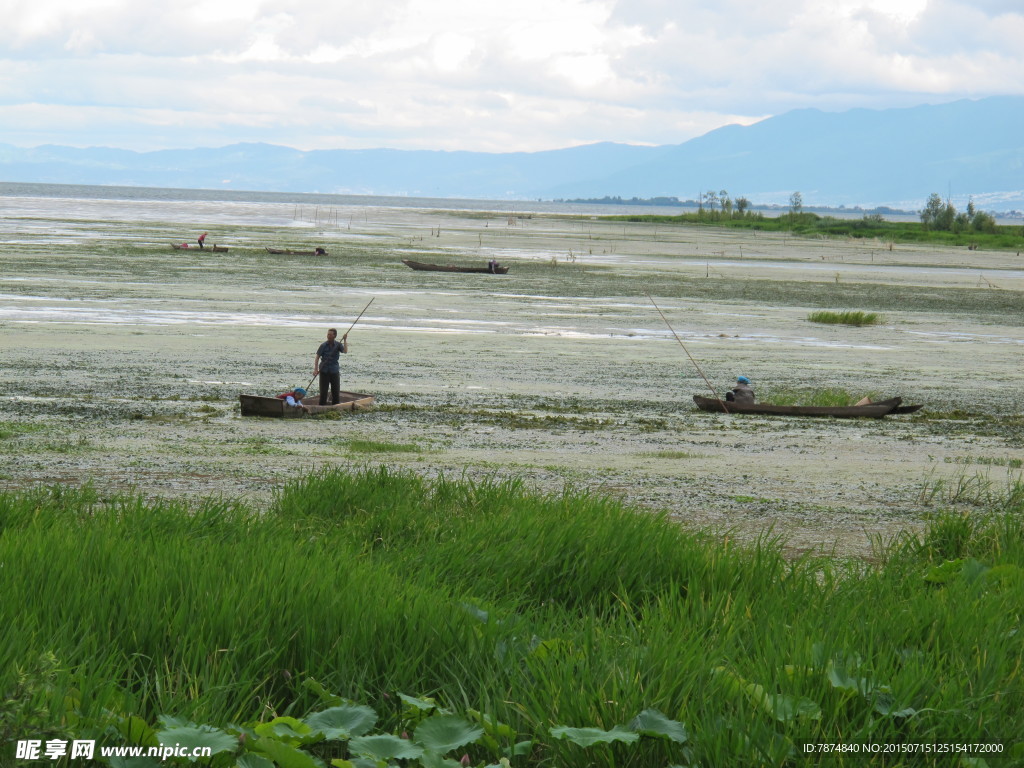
x=369 y=615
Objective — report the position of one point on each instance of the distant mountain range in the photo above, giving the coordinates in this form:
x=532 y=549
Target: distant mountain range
x=891 y=157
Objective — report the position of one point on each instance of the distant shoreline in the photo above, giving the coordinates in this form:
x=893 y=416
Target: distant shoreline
x=607 y=205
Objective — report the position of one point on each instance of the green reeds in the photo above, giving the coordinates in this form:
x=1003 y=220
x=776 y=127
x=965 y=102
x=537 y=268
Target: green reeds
x=539 y=611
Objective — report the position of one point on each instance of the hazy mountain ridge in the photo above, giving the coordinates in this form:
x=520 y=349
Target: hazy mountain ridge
x=859 y=157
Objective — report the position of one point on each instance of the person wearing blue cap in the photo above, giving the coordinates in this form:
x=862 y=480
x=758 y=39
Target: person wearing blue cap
x=741 y=394
x=293 y=398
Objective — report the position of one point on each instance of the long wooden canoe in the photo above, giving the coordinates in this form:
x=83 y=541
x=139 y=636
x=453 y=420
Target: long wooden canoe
x=873 y=410
x=190 y=247
x=291 y=252
x=255 y=405
x=423 y=267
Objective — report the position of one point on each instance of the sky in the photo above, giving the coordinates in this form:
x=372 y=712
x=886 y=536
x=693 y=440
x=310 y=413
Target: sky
x=478 y=75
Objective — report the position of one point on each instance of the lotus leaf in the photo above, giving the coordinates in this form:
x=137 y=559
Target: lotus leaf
x=651 y=722
x=385 y=747
x=443 y=733
x=344 y=722
x=588 y=737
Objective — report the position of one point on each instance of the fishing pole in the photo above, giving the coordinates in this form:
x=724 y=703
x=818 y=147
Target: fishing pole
x=713 y=392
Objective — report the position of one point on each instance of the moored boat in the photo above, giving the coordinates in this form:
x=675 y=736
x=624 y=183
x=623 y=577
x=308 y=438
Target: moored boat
x=293 y=252
x=424 y=267
x=871 y=410
x=256 y=405
x=190 y=247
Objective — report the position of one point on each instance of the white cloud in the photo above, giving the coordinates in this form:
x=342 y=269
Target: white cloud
x=477 y=74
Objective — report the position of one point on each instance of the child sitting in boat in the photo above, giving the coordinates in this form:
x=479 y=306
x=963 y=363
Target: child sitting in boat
x=741 y=393
x=294 y=398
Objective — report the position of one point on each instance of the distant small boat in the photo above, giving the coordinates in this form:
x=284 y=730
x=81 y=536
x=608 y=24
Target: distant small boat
x=871 y=410
x=190 y=247
x=422 y=267
x=291 y=252
x=256 y=405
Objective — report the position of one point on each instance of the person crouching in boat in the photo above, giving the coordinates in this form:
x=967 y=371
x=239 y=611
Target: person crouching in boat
x=741 y=394
x=327 y=365
x=294 y=398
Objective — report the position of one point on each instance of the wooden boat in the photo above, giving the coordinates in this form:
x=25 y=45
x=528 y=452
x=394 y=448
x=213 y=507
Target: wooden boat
x=255 y=405
x=905 y=409
x=872 y=410
x=190 y=247
x=291 y=252
x=422 y=267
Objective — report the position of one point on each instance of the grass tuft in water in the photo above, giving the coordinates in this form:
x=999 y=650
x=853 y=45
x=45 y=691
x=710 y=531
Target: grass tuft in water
x=845 y=318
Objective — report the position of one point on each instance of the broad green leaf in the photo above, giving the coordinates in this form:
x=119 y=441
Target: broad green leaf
x=434 y=760
x=840 y=677
x=491 y=725
x=651 y=722
x=588 y=737
x=325 y=696
x=734 y=684
x=1004 y=574
x=974 y=570
x=287 y=729
x=344 y=722
x=192 y=737
x=556 y=648
x=285 y=755
x=170 y=721
x=339 y=763
x=422 y=706
x=522 y=748
x=784 y=707
x=945 y=573
x=385 y=747
x=885 y=704
x=476 y=613
x=137 y=731
x=443 y=733
x=136 y=762
x=253 y=761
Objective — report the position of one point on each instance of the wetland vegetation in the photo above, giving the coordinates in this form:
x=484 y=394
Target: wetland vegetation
x=534 y=541
x=362 y=614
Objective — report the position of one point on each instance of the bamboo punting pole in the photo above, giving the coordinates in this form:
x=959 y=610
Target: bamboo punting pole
x=713 y=392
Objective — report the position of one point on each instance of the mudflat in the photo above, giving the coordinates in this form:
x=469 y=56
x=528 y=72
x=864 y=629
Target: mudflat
x=123 y=359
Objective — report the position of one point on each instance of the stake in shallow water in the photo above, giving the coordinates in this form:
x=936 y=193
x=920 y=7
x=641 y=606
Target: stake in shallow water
x=713 y=392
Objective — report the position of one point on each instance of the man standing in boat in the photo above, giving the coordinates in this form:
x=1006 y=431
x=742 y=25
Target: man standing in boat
x=327 y=365
x=202 y=240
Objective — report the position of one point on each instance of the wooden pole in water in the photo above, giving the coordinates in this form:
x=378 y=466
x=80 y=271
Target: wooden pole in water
x=360 y=315
x=713 y=392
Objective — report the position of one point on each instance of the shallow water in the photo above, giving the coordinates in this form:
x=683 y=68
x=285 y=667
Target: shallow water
x=111 y=341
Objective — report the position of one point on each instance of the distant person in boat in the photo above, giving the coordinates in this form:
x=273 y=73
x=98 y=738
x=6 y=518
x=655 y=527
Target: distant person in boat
x=741 y=393
x=492 y=266
x=327 y=365
x=294 y=397
x=202 y=240
x=321 y=252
